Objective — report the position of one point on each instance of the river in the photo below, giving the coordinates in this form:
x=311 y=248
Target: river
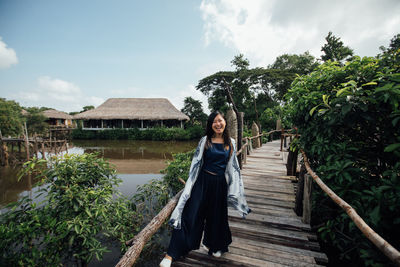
x=136 y=162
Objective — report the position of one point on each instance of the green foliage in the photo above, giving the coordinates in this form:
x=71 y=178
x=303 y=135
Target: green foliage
x=159 y=134
x=10 y=118
x=86 y=108
x=335 y=50
x=77 y=213
x=271 y=115
x=36 y=121
x=193 y=108
x=285 y=69
x=348 y=117
x=178 y=168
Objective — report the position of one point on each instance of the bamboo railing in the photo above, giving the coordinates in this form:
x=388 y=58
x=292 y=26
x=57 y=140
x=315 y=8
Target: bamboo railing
x=392 y=253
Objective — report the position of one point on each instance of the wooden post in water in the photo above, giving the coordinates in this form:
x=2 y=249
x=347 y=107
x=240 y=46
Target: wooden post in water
x=307 y=199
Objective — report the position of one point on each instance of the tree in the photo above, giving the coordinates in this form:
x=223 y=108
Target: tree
x=240 y=62
x=335 y=50
x=193 y=108
x=11 y=119
x=36 y=121
x=86 y=108
x=285 y=69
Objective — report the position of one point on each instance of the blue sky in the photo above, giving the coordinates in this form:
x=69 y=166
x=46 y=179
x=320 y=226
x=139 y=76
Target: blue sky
x=68 y=54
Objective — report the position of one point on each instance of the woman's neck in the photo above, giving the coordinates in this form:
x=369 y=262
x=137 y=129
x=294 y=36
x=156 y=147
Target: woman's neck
x=217 y=136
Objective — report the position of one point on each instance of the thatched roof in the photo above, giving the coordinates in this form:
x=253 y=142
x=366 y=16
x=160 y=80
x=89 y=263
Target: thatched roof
x=134 y=109
x=55 y=114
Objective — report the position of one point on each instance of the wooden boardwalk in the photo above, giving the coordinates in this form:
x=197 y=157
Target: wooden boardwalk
x=272 y=235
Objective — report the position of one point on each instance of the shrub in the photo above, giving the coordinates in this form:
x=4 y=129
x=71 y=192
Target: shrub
x=77 y=213
x=159 y=134
x=348 y=118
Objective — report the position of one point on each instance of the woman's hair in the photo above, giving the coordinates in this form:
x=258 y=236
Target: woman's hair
x=210 y=132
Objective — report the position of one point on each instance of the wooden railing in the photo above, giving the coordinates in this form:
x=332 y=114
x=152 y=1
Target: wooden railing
x=304 y=195
x=138 y=242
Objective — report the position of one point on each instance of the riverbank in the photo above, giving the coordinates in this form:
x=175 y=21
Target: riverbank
x=159 y=134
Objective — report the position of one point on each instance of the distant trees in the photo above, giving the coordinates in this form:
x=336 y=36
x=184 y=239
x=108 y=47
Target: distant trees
x=10 y=117
x=86 y=108
x=193 y=108
x=335 y=50
x=36 y=121
x=255 y=89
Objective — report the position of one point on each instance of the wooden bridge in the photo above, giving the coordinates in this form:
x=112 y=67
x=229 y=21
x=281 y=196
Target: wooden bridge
x=272 y=234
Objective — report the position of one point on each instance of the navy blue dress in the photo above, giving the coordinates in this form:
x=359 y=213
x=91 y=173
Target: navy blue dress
x=206 y=209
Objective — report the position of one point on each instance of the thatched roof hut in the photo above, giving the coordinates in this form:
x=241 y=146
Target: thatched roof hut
x=55 y=114
x=134 y=109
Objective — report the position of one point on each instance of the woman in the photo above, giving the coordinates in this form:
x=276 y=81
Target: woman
x=214 y=183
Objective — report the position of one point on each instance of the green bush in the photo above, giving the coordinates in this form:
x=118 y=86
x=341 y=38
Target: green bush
x=178 y=168
x=157 y=134
x=77 y=213
x=348 y=118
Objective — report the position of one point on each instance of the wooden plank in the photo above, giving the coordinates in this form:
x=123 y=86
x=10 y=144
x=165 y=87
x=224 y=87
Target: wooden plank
x=230 y=259
x=271 y=195
x=278 y=222
x=318 y=256
x=269 y=202
x=258 y=229
x=261 y=253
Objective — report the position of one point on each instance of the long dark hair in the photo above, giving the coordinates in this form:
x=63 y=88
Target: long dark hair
x=210 y=132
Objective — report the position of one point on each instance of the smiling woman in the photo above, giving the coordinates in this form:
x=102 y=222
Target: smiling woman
x=214 y=183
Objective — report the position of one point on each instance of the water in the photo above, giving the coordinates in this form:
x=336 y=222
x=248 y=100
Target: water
x=136 y=162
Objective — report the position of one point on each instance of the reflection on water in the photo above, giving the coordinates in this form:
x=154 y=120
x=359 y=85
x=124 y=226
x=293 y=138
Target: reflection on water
x=136 y=162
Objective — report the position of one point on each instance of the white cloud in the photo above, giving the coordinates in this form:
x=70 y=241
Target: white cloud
x=58 y=94
x=263 y=30
x=8 y=56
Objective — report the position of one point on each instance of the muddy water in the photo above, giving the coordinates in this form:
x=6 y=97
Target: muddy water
x=136 y=162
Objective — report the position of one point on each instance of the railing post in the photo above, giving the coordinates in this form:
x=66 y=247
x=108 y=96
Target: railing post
x=245 y=154
x=307 y=199
x=298 y=205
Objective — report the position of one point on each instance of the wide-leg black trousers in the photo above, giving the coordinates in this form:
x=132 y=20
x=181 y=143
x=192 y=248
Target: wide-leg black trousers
x=207 y=210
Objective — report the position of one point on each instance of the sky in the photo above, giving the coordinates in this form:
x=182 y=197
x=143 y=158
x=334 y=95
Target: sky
x=70 y=54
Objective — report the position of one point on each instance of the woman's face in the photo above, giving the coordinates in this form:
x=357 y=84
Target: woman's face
x=218 y=125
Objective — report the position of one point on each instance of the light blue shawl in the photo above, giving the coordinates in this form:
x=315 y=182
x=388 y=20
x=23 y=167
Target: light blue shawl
x=236 y=198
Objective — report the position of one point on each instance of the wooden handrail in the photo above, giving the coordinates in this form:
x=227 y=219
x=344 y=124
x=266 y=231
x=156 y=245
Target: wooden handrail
x=391 y=252
x=143 y=236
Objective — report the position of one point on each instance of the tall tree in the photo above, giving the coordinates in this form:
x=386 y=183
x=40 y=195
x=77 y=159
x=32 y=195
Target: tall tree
x=194 y=109
x=284 y=70
x=335 y=50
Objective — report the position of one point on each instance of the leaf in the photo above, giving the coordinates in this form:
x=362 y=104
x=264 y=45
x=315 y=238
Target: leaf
x=341 y=91
x=395 y=120
x=370 y=83
x=386 y=87
x=375 y=215
x=325 y=99
x=392 y=147
x=312 y=110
